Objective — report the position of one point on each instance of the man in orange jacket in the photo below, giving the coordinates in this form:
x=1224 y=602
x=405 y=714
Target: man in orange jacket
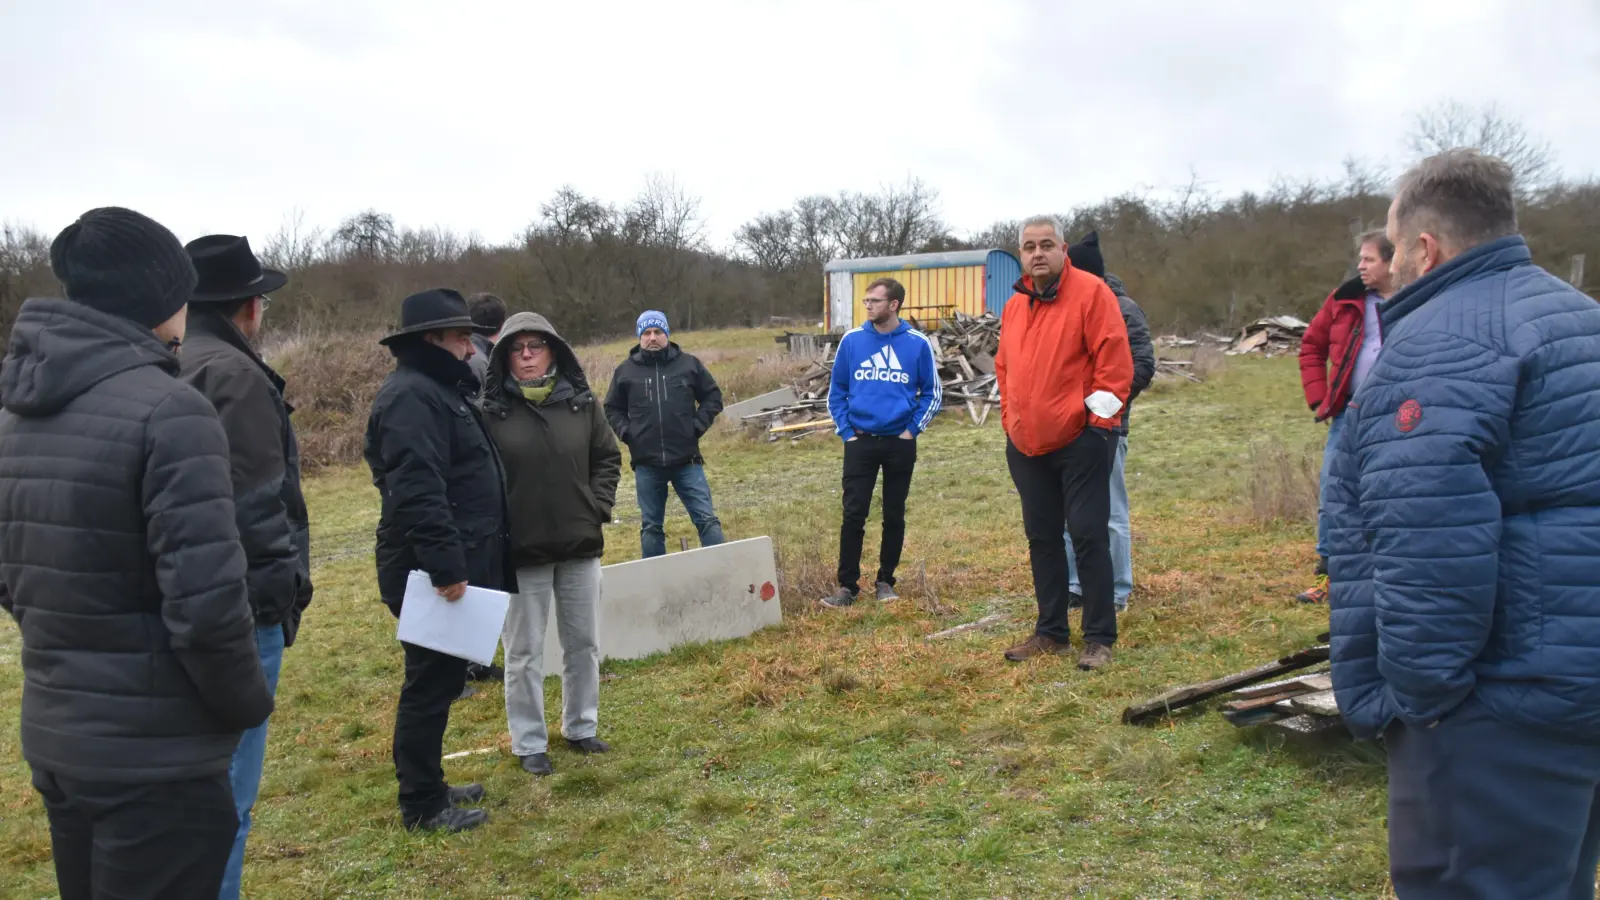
x=1064 y=369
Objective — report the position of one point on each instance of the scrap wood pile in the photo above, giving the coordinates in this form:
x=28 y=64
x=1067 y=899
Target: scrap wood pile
x=964 y=348
x=1302 y=704
x=1271 y=336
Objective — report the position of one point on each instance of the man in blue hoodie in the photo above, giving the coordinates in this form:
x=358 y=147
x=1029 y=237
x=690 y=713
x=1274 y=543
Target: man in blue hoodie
x=1463 y=514
x=885 y=392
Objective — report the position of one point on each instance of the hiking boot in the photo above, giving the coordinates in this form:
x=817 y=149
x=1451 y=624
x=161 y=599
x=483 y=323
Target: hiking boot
x=1074 y=600
x=1317 y=593
x=536 y=764
x=589 y=745
x=1035 y=645
x=451 y=820
x=466 y=795
x=476 y=672
x=839 y=599
x=1094 y=657
x=885 y=592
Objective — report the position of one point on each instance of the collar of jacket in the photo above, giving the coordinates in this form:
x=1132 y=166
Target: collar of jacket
x=1024 y=285
x=212 y=323
x=436 y=363
x=1354 y=289
x=655 y=357
x=1498 y=255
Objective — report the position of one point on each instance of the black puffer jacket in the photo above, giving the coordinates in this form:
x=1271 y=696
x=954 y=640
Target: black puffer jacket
x=562 y=464
x=660 y=403
x=1144 y=349
x=273 y=526
x=119 y=556
x=444 y=504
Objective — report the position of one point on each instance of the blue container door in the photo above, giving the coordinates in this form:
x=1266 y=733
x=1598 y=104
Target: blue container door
x=1000 y=273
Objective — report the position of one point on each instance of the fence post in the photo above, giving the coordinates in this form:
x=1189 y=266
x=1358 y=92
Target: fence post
x=1577 y=271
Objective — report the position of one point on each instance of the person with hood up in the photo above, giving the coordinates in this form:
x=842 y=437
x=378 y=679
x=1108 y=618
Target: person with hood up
x=562 y=467
x=121 y=563
x=660 y=402
x=885 y=392
x=444 y=513
x=1086 y=255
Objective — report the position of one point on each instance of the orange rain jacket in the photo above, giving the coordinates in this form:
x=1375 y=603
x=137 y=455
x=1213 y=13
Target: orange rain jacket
x=1056 y=349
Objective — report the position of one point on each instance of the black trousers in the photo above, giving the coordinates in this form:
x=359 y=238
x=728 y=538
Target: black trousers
x=863 y=457
x=167 y=840
x=433 y=681
x=1069 y=490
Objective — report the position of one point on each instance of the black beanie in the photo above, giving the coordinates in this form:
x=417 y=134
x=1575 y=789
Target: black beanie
x=124 y=264
x=1085 y=255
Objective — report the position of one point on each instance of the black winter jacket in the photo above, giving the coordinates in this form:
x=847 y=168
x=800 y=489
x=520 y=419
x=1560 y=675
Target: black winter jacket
x=660 y=403
x=444 y=504
x=1144 y=349
x=562 y=464
x=271 y=511
x=119 y=556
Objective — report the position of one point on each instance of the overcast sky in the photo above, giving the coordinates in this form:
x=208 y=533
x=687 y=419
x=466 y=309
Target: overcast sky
x=225 y=117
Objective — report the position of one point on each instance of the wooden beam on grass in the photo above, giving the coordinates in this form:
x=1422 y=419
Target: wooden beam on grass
x=1178 y=698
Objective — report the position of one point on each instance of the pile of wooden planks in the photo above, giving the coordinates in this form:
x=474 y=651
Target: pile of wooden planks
x=964 y=348
x=1301 y=704
x=1272 y=336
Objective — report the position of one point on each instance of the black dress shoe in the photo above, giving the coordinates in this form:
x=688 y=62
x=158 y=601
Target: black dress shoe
x=451 y=820
x=537 y=764
x=589 y=745
x=466 y=795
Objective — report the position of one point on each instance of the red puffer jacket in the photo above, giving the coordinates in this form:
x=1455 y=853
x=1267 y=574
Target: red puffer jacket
x=1334 y=337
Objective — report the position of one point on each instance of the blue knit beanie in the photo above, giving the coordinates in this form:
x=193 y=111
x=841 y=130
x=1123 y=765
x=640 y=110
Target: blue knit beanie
x=652 y=318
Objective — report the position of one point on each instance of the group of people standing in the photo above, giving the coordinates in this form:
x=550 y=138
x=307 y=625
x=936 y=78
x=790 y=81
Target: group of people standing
x=154 y=542
x=504 y=478
x=155 y=552
x=1075 y=350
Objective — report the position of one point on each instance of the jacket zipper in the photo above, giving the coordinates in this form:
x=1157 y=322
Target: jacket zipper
x=1352 y=348
x=661 y=416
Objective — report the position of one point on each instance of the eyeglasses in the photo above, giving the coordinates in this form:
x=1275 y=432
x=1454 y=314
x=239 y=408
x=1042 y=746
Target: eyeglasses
x=871 y=300
x=528 y=348
x=265 y=302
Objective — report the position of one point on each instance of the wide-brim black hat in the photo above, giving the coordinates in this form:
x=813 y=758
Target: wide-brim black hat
x=439 y=309
x=229 y=271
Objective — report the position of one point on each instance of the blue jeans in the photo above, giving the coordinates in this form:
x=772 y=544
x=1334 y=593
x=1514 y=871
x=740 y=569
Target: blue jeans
x=690 y=482
x=1322 y=483
x=1121 y=535
x=248 y=760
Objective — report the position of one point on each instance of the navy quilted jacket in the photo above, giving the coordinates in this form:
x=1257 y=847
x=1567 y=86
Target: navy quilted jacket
x=1464 y=504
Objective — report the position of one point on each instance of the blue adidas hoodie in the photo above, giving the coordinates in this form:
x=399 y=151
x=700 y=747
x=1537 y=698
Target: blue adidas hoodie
x=884 y=384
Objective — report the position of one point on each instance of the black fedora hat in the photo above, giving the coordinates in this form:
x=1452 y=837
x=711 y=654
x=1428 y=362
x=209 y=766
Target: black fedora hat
x=229 y=271
x=439 y=309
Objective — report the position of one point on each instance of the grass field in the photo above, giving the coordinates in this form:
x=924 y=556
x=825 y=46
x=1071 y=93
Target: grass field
x=842 y=755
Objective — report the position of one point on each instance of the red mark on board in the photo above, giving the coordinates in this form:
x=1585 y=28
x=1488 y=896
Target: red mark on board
x=768 y=591
x=1408 y=417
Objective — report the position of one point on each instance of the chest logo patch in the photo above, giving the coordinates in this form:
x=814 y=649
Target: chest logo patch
x=1408 y=417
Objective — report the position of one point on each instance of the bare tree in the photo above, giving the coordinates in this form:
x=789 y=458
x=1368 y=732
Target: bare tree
x=1452 y=124
x=369 y=235
x=293 y=247
x=768 y=240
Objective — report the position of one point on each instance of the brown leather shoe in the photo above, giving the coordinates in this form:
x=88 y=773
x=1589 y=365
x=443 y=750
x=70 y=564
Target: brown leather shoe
x=1035 y=645
x=1094 y=656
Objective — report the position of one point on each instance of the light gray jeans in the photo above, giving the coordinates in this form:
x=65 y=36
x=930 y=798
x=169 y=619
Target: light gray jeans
x=575 y=587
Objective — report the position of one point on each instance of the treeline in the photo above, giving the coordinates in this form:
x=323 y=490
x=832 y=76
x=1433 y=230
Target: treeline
x=1193 y=260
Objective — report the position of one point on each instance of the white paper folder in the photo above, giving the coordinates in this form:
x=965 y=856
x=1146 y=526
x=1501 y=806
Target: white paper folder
x=468 y=628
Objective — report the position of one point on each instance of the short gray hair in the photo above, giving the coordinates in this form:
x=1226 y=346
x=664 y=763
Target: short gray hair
x=1035 y=221
x=1462 y=197
x=1378 y=239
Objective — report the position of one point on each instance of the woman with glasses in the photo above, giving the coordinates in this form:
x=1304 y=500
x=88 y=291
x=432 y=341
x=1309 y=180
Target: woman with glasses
x=562 y=466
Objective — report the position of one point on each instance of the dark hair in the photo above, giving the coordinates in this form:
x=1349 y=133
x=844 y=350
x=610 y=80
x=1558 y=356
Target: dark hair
x=487 y=310
x=1378 y=239
x=1462 y=197
x=897 y=291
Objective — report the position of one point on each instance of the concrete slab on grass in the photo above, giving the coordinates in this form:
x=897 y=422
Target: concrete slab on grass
x=781 y=397
x=707 y=594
